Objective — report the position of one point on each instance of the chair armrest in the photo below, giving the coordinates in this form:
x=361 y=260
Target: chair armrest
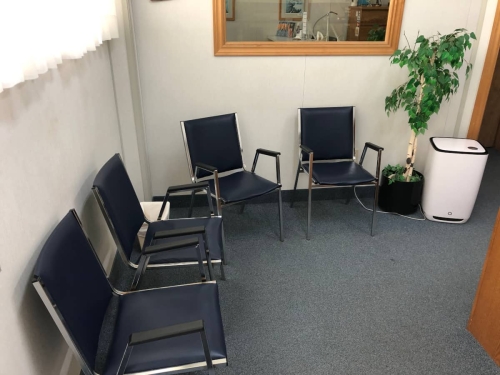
x=182 y=329
x=149 y=250
x=369 y=145
x=213 y=170
x=374 y=146
x=272 y=154
x=306 y=149
x=178 y=232
x=206 y=167
x=268 y=152
x=193 y=241
x=203 y=185
x=196 y=186
x=144 y=337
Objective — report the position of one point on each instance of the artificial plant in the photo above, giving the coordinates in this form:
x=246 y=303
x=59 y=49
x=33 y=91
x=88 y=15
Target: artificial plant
x=432 y=71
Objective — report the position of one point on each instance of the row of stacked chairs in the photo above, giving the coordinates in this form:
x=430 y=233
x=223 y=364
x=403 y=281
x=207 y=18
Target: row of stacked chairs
x=178 y=328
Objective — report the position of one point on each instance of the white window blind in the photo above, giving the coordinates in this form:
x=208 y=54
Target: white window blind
x=36 y=35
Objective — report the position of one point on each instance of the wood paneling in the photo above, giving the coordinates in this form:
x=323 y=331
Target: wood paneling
x=486 y=78
x=491 y=118
x=484 y=321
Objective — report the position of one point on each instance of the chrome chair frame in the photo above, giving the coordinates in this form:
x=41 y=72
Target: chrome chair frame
x=312 y=184
x=144 y=261
x=219 y=202
x=85 y=366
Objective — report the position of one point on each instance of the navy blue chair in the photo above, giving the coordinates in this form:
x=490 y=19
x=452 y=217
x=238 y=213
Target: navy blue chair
x=213 y=146
x=327 y=154
x=158 y=330
x=122 y=210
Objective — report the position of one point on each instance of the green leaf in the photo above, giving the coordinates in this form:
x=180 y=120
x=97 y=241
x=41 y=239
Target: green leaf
x=432 y=66
x=473 y=36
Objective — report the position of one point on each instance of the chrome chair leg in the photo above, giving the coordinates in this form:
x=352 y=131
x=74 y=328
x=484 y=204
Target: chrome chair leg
x=375 y=204
x=350 y=196
x=190 y=212
x=280 y=207
x=309 y=199
x=223 y=250
x=200 y=264
x=295 y=186
x=208 y=258
x=141 y=268
x=208 y=358
x=210 y=269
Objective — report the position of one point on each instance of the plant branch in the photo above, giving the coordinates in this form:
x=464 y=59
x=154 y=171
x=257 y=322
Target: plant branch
x=407 y=41
x=432 y=65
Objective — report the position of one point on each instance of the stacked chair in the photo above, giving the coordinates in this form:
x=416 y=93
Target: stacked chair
x=213 y=146
x=327 y=154
x=165 y=330
x=166 y=243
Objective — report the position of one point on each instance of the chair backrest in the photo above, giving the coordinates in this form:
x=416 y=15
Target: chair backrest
x=214 y=141
x=120 y=203
x=329 y=132
x=70 y=276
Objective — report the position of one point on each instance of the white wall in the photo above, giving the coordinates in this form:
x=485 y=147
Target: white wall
x=182 y=79
x=126 y=115
x=128 y=102
x=55 y=132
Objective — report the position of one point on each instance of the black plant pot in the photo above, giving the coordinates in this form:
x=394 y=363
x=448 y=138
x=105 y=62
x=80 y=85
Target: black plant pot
x=400 y=197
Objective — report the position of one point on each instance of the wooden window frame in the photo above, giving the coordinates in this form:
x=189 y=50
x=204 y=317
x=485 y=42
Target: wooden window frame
x=313 y=48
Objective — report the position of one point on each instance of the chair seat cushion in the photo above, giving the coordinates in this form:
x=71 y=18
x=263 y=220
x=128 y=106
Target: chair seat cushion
x=213 y=227
x=151 y=309
x=241 y=186
x=340 y=173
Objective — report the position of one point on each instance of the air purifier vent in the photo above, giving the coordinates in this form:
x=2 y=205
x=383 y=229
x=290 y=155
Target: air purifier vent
x=446 y=219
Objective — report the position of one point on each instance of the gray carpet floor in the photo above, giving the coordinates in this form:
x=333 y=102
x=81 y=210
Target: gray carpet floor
x=345 y=302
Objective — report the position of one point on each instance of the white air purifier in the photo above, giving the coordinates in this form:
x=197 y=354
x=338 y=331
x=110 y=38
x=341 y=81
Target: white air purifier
x=453 y=175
